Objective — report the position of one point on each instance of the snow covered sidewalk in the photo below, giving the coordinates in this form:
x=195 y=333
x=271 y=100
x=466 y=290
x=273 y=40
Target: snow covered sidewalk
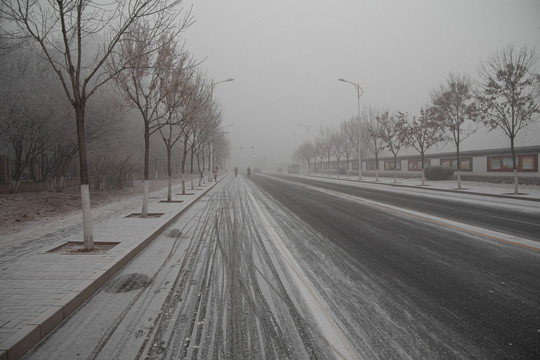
x=42 y=285
x=526 y=192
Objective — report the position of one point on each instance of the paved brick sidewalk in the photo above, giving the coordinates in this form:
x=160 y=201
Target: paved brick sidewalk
x=40 y=288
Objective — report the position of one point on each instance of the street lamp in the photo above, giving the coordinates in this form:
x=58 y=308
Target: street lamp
x=360 y=92
x=219 y=82
x=307 y=128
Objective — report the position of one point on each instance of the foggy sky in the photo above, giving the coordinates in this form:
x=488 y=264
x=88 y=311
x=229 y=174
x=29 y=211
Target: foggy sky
x=286 y=57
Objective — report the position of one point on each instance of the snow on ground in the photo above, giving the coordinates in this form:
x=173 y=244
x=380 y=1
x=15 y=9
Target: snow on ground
x=21 y=211
x=469 y=194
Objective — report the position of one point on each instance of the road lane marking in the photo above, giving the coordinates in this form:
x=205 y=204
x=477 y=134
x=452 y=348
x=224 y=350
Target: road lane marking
x=334 y=335
x=454 y=225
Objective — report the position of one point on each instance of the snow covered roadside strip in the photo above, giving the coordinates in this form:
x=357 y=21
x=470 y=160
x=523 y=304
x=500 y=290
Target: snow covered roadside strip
x=49 y=287
x=453 y=225
x=319 y=309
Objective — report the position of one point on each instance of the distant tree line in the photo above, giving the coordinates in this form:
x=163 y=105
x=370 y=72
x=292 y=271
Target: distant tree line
x=505 y=97
x=79 y=79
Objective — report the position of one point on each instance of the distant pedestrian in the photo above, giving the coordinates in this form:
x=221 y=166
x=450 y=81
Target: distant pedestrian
x=215 y=173
x=235 y=171
x=248 y=171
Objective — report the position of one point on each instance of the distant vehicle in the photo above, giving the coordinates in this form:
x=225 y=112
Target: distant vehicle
x=293 y=169
x=256 y=171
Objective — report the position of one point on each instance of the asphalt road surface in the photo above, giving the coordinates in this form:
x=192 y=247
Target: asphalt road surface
x=270 y=268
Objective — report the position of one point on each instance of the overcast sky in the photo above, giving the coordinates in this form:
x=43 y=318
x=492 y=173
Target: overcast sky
x=286 y=57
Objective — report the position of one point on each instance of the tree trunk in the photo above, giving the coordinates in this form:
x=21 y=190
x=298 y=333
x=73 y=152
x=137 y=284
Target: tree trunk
x=210 y=170
x=191 y=160
x=458 y=167
x=169 y=172
x=183 y=179
x=516 y=181
x=359 y=165
x=16 y=179
x=85 y=183
x=184 y=155
x=144 y=212
x=423 y=176
x=14 y=186
x=376 y=167
x=199 y=170
x=329 y=165
x=395 y=170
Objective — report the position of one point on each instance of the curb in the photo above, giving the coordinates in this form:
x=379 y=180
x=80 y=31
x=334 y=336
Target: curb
x=516 y=197
x=18 y=344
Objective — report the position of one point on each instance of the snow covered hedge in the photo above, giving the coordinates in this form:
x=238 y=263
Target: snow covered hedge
x=438 y=172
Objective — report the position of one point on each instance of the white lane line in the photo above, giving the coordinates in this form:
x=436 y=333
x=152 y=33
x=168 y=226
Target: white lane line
x=469 y=229
x=318 y=307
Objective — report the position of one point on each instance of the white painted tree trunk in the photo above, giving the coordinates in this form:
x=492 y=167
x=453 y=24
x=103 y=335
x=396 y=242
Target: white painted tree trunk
x=183 y=185
x=516 y=183
x=192 y=182
x=169 y=189
x=144 y=212
x=423 y=178
x=458 y=173
x=88 y=239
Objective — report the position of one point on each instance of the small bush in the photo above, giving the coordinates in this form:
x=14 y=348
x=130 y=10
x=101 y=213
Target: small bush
x=438 y=172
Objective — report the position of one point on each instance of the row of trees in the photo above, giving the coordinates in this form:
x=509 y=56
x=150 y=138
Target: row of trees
x=506 y=97
x=110 y=61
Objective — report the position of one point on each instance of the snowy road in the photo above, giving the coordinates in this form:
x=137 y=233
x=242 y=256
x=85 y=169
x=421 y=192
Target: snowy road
x=266 y=269
x=219 y=284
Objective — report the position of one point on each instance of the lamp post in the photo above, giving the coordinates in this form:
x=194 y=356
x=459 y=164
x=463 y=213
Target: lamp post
x=307 y=129
x=219 y=82
x=359 y=91
x=212 y=86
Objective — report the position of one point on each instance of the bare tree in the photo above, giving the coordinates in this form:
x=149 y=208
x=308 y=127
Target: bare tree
x=393 y=134
x=422 y=133
x=305 y=152
x=336 y=141
x=176 y=91
x=355 y=131
x=454 y=105
x=373 y=120
x=509 y=94
x=325 y=144
x=24 y=128
x=146 y=84
x=319 y=152
x=29 y=99
x=200 y=116
x=77 y=37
